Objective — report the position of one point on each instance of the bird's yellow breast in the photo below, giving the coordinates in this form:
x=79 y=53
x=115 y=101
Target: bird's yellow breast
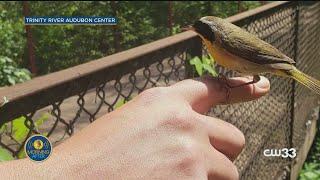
x=232 y=62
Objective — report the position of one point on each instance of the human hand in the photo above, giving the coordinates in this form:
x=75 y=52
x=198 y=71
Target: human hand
x=163 y=134
x=160 y=134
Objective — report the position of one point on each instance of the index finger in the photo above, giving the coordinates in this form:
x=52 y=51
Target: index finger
x=205 y=92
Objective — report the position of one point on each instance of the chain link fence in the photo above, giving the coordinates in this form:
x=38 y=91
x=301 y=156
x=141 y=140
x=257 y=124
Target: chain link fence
x=60 y=104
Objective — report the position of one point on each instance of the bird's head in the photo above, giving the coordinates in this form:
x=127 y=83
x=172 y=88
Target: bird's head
x=206 y=27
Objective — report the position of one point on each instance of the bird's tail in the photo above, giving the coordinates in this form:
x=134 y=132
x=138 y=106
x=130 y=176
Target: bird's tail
x=306 y=80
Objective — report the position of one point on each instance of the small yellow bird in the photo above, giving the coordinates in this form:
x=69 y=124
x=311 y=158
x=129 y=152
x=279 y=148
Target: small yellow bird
x=237 y=49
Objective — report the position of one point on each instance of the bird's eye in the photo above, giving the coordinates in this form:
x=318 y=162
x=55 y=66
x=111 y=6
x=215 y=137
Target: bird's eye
x=205 y=30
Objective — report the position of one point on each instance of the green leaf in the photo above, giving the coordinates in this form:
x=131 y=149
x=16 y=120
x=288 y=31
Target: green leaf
x=2 y=60
x=41 y=120
x=210 y=69
x=21 y=154
x=198 y=64
x=11 y=80
x=206 y=60
x=3 y=128
x=311 y=175
x=5 y=155
x=211 y=59
x=312 y=166
x=18 y=73
x=7 y=70
x=19 y=130
x=119 y=103
x=8 y=60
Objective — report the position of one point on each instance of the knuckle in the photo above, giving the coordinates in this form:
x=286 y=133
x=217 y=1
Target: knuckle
x=155 y=92
x=152 y=95
x=189 y=147
x=188 y=81
x=240 y=143
x=178 y=114
x=181 y=118
x=187 y=166
x=190 y=158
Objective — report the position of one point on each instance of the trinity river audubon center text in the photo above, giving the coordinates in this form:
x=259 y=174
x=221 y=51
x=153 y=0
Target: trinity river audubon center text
x=71 y=20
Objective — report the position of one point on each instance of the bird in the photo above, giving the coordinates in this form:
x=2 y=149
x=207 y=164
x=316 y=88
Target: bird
x=238 y=50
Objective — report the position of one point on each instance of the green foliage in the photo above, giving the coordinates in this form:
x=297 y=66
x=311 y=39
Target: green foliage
x=19 y=129
x=12 y=45
x=204 y=65
x=19 y=133
x=246 y=5
x=121 y=102
x=3 y=128
x=310 y=171
x=11 y=32
x=311 y=168
x=10 y=74
x=41 y=120
x=60 y=47
x=186 y=13
x=5 y=155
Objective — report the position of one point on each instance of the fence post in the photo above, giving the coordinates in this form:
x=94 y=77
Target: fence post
x=296 y=33
x=293 y=84
x=30 y=42
x=194 y=50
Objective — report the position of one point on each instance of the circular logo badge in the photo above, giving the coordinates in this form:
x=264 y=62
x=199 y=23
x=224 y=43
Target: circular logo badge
x=38 y=148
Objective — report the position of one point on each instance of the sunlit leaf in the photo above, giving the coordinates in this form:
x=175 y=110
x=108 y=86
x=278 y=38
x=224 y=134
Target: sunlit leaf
x=210 y=69
x=41 y=120
x=20 y=131
x=119 y=103
x=21 y=154
x=5 y=155
x=3 y=128
x=206 y=60
x=198 y=64
x=311 y=175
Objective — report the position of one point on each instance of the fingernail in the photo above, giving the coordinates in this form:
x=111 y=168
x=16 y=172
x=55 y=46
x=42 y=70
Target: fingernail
x=263 y=83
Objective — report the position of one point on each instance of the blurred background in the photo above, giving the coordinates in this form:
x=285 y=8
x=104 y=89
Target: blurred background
x=59 y=47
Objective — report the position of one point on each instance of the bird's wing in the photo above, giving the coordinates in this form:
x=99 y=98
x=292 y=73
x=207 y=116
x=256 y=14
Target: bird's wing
x=252 y=48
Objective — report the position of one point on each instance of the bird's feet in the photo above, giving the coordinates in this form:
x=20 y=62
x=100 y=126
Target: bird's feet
x=228 y=87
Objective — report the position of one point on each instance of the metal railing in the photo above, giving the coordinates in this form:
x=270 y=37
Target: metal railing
x=74 y=97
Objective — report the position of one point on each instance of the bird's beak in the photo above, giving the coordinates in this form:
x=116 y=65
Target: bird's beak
x=188 y=28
